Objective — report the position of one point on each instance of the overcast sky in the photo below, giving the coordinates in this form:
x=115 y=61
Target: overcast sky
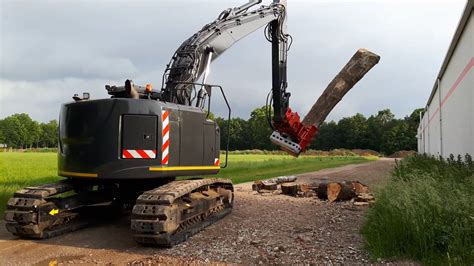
x=50 y=50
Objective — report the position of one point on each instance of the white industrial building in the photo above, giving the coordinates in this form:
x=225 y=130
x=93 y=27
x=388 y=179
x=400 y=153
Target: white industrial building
x=447 y=125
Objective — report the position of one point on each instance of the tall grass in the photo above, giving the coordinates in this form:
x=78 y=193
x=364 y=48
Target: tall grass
x=425 y=212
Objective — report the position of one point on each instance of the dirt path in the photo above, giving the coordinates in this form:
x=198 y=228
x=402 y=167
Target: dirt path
x=261 y=229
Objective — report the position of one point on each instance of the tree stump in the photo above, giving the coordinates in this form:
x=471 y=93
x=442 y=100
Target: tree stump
x=290 y=189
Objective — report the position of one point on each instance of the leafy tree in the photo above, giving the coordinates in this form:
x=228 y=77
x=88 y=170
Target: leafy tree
x=353 y=132
x=259 y=130
x=376 y=127
x=210 y=115
x=2 y=133
x=397 y=138
x=385 y=116
x=327 y=138
x=49 y=134
x=31 y=132
x=14 y=132
x=413 y=121
x=237 y=137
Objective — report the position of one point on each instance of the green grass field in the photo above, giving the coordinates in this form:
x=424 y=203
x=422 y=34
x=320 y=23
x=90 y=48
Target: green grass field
x=18 y=170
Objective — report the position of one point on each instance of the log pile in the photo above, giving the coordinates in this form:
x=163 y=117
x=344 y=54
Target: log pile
x=285 y=185
x=354 y=191
x=271 y=184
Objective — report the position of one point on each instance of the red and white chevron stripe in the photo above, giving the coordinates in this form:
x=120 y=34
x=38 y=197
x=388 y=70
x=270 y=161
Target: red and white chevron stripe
x=217 y=161
x=166 y=137
x=139 y=154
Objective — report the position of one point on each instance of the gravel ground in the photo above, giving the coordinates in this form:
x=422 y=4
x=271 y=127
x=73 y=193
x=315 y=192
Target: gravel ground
x=261 y=229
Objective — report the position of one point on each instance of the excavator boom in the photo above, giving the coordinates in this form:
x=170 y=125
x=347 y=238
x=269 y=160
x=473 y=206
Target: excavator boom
x=192 y=60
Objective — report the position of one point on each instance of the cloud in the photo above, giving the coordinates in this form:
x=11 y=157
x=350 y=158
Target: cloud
x=61 y=65
x=53 y=49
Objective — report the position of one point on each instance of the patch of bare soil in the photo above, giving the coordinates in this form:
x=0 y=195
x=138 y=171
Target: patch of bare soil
x=260 y=230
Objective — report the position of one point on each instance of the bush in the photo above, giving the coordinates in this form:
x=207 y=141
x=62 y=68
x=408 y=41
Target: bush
x=426 y=212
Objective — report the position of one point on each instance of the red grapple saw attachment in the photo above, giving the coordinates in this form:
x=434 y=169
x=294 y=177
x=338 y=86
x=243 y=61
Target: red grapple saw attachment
x=294 y=136
x=291 y=135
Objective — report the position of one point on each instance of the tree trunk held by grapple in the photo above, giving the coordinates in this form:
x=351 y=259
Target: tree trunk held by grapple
x=360 y=63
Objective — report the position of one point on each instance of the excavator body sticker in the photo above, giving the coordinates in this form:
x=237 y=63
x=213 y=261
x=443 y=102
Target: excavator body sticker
x=166 y=137
x=139 y=154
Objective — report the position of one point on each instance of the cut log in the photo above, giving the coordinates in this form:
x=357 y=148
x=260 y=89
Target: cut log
x=290 y=188
x=303 y=187
x=340 y=191
x=266 y=192
x=358 y=187
x=333 y=190
x=322 y=191
x=346 y=193
x=365 y=197
x=307 y=187
x=347 y=190
x=269 y=185
x=282 y=179
x=257 y=185
x=265 y=184
x=360 y=63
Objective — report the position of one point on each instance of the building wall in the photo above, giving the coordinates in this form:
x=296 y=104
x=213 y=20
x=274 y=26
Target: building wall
x=457 y=92
x=447 y=126
x=433 y=138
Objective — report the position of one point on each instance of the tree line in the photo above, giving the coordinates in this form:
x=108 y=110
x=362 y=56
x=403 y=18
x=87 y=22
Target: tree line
x=20 y=131
x=381 y=132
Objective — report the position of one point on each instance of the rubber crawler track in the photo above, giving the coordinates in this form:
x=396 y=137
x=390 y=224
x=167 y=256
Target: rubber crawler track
x=170 y=214
x=30 y=215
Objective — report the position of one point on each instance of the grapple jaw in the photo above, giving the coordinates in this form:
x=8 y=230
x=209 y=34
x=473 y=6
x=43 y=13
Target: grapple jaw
x=285 y=143
x=291 y=135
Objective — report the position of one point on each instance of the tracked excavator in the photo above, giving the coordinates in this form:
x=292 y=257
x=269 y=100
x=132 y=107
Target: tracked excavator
x=125 y=152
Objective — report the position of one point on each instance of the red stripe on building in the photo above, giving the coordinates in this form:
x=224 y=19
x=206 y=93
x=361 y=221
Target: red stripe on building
x=455 y=85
